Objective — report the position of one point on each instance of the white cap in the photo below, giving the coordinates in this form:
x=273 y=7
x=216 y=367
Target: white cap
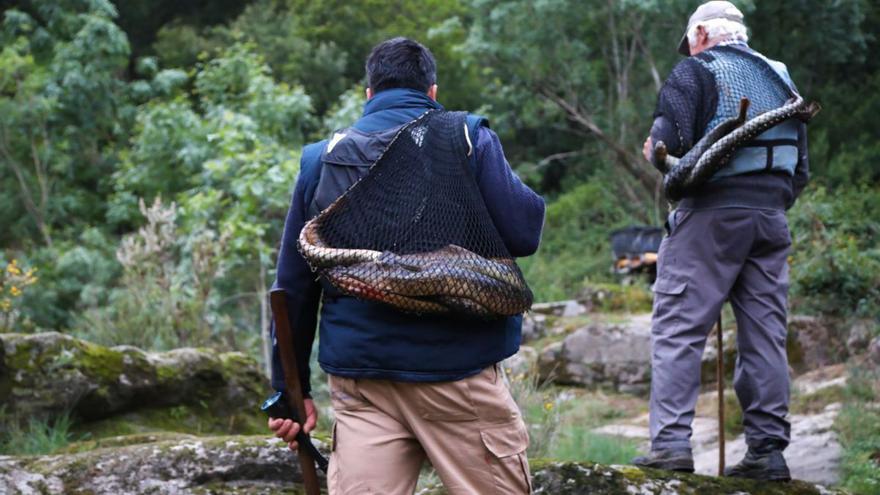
x=716 y=9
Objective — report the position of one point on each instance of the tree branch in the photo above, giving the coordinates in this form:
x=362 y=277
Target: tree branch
x=625 y=158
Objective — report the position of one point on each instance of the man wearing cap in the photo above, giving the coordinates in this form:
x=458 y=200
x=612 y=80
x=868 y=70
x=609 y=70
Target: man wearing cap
x=729 y=239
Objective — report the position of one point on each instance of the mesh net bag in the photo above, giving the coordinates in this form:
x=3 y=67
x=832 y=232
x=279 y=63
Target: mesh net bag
x=415 y=233
x=739 y=74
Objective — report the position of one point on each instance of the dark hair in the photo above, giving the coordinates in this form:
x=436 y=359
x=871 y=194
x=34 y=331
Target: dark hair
x=401 y=63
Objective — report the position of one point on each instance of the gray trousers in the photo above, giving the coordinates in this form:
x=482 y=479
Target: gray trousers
x=709 y=256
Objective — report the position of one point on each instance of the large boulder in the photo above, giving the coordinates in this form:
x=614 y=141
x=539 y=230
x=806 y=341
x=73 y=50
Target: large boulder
x=534 y=327
x=859 y=337
x=813 y=343
x=50 y=373
x=522 y=363
x=616 y=356
x=221 y=464
x=563 y=309
x=874 y=351
x=255 y=464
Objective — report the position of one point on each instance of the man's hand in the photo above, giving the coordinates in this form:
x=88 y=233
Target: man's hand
x=646 y=148
x=286 y=429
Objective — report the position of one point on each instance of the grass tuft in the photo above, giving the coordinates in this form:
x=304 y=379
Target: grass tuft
x=859 y=428
x=36 y=437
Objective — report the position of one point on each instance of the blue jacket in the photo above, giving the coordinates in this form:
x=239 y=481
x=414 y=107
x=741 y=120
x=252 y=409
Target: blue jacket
x=360 y=339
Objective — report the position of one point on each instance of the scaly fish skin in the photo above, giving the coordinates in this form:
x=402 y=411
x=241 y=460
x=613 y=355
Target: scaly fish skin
x=319 y=255
x=704 y=161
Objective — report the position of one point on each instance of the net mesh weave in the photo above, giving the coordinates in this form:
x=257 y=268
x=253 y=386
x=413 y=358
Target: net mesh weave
x=738 y=75
x=415 y=232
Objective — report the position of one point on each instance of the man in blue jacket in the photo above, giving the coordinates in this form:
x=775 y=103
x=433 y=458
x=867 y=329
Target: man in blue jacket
x=407 y=388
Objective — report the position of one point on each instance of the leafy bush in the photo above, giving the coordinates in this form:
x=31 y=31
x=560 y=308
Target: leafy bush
x=166 y=298
x=835 y=260
x=575 y=243
x=74 y=274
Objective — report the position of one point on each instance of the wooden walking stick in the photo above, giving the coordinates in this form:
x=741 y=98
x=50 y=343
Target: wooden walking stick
x=284 y=335
x=720 y=379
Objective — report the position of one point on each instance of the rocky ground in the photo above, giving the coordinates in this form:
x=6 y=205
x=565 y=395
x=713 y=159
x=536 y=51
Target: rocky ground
x=571 y=347
x=814 y=453
x=257 y=465
x=186 y=421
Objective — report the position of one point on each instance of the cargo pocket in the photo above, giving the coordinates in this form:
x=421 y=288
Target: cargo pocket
x=507 y=444
x=668 y=299
x=669 y=286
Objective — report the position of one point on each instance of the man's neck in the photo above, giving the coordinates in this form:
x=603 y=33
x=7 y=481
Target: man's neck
x=730 y=41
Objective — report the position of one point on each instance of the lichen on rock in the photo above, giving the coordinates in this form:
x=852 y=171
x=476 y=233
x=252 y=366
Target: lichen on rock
x=256 y=464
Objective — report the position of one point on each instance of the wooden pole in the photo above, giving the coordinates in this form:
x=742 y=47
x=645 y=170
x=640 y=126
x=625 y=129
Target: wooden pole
x=720 y=379
x=284 y=335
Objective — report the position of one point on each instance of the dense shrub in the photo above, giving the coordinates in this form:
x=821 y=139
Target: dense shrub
x=575 y=244
x=835 y=261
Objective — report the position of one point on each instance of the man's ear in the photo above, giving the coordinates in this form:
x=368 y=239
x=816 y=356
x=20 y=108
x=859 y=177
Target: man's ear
x=369 y=93
x=702 y=35
x=432 y=92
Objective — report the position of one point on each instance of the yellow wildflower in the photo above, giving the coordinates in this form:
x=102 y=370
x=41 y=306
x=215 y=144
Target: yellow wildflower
x=12 y=268
x=15 y=291
x=5 y=305
x=548 y=406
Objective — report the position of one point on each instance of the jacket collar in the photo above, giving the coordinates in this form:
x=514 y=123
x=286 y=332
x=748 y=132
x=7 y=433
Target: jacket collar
x=399 y=98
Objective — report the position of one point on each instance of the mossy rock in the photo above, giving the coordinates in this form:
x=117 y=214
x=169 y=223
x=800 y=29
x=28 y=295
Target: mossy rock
x=257 y=465
x=570 y=478
x=182 y=419
x=46 y=374
x=183 y=465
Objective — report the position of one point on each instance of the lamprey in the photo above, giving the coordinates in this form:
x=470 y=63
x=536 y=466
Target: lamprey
x=450 y=279
x=320 y=255
x=666 y=162
x=414 y=232
x=715 y=149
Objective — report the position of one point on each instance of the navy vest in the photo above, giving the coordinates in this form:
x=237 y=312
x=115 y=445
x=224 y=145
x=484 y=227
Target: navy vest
x=740 y=72
x=361 y=339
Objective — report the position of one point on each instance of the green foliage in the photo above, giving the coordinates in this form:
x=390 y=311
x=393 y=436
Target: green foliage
x=537 y=401
x=617 y=298
x=226 y=153
x=575 y=244
x=74 y=274
x=578 y=443
x=835 y=261
x=166 y=297
x=36 y=437
x=574 y=83
x=858 y=426
x=62 y=102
